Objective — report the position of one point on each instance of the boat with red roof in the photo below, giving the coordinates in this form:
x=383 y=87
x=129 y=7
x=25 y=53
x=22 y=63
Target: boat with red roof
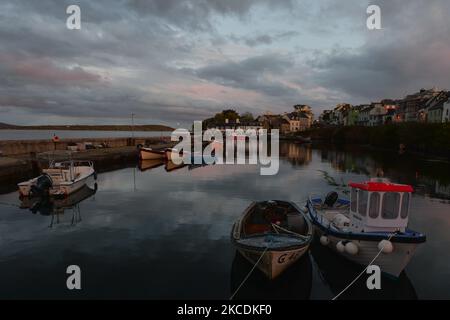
x=373 y=224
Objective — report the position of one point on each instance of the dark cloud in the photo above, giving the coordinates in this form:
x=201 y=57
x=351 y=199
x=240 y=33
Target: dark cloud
x=196 y=14
x=148 y=57
x=412 y=51
x=251 y=74
x=264 y=39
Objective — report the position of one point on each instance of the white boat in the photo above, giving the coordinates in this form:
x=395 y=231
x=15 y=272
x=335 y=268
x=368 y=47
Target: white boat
x=273 y=235
x=373 y=222
x=60 y=179
x=151 y=154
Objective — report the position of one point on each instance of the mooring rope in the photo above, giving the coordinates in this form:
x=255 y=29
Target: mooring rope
x=248 y=275
x=362 y=272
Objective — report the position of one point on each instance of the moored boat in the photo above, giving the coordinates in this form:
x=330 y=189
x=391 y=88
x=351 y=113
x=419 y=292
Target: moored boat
x=273 y=235
x=372 y=224
x=145 y=165
x=150 y=154
x=60 y=179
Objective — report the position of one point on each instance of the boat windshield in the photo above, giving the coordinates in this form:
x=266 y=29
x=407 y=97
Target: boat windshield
x=391 y=204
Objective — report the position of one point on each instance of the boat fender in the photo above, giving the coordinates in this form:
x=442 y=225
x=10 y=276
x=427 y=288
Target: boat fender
x=324 y=240
x=351 y=248
x=340 y=247
x=385 y=246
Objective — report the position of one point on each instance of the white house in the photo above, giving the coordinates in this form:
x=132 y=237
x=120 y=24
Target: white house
x=376 y=114
x=446 y=112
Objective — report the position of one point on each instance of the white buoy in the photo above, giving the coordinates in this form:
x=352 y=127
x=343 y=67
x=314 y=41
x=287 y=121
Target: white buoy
x=324 y=240
x=340 y=247
x=385 y=246
x=351 y=248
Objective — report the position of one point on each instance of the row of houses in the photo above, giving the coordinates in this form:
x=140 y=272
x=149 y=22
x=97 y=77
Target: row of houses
x=430 y=105
x=298 y=120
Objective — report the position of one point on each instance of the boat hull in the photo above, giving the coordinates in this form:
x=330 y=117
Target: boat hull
x=147 y=154
x=63 y=189
x=273 y=263
x=392 y=262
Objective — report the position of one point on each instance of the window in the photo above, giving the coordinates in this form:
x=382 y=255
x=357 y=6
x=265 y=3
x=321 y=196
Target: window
x=362 y=202
x=353 y=199
x=391 y=204
x=405 y=205
x=374 y=207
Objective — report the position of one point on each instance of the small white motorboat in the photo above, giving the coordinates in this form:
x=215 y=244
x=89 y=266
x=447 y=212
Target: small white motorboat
x=373 y=222
x=60 y=179
x=273 y=235
x=151 y=154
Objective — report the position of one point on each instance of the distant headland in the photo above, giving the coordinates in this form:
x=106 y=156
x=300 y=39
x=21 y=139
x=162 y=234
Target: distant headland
x=145 y=127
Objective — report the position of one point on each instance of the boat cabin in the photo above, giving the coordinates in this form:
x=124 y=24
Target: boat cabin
x=378 y=205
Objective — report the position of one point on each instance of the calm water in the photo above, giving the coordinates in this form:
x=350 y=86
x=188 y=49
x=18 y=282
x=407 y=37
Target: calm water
x=160 y=234
x=72 y=134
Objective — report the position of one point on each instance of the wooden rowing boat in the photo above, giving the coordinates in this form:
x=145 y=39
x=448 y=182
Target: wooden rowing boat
x=273 y=235
x=150 y=154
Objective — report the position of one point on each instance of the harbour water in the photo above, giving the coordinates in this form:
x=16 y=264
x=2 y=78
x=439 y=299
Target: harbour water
x=151 y=232
x=7 y=134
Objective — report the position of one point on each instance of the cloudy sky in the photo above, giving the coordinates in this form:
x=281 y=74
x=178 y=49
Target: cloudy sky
x=174 y=61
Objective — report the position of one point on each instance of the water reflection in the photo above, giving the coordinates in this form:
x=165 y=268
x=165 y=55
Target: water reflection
x=429 y=177
x=338 y=272
x=294 y=284
x=169 y=236
x=297 y=155
x=56 y=207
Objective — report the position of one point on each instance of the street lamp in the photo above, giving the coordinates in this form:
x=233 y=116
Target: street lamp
x=132 y=125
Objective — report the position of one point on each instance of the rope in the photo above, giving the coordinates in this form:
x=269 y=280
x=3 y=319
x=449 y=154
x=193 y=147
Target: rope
x=362 y=272
x=248 y=275
x=275 y=227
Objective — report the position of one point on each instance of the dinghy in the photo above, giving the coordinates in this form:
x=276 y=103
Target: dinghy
x=374 y=222
x=60 y=179
x=150 y=154
x=145 y=165
x=273 y=235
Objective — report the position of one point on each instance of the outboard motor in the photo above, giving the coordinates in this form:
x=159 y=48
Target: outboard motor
x=331 y=199
x=44 y=206
x=42 y=186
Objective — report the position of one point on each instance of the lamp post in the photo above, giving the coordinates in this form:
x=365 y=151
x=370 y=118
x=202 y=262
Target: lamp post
x=132 y=125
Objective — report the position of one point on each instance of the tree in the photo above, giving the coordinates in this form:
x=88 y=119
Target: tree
x=247 y=117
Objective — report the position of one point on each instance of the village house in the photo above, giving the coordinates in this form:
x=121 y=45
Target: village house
x=413 y=107
x=435 y=113
x=438 y=110
x=351 y=116
x=236 y=124
x=339 y=113
x=270 y=121
x=364 y=115
x=376 y=114
x=297 y=121
x=446 y=110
